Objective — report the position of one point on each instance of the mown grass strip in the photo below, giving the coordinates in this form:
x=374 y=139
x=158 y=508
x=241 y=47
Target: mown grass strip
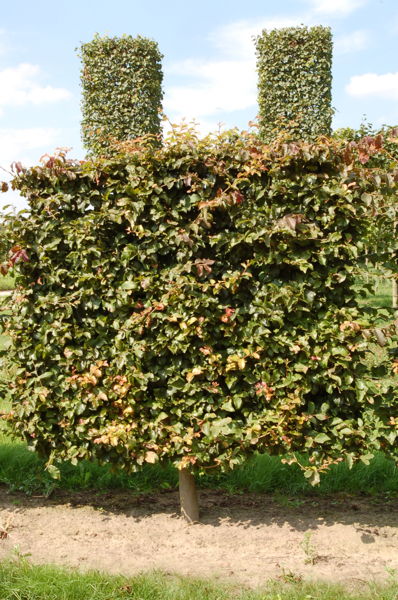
x=19 y=580
x=7 y=282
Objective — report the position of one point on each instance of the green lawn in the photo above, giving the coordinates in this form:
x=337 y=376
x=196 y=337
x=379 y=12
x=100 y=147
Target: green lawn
x=7 y=282
x=383 y=295
x=4 y=341
x=22 y=470
x=20 y=581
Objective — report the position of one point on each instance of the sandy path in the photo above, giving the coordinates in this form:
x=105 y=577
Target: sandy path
x=248 y=538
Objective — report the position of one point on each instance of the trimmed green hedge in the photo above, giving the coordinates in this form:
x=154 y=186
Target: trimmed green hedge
x=122 y=90
x=195 y=303
x=294 y=82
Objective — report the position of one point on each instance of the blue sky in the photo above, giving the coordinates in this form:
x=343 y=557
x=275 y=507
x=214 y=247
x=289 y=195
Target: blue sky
x=209 y=62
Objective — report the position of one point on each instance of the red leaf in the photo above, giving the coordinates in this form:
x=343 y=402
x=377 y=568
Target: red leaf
x=17 y=254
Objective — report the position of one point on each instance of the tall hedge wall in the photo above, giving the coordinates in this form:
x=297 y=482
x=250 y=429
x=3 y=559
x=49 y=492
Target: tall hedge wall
x=121 y=82
x=195 y=303
x=294 y=82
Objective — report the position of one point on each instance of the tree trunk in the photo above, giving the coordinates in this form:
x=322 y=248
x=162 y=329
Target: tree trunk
x=188 y=496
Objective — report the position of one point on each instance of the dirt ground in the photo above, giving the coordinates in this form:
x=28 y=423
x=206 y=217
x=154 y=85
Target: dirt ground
x=247 y=539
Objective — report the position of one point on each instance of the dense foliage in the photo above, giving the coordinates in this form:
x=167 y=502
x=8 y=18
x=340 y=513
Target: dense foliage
x=382 y=247
x=294 y=82
x=195 y=303
x=122 y=90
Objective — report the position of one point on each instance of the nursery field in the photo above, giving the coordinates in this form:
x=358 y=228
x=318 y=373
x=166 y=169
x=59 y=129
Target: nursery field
x=265 y=533
x=248 y=546
x=279 y=542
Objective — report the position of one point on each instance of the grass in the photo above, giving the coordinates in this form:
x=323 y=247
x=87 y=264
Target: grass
x=7 y=282
x=22 y=470
x=21 y=581
x=382 y=296
x=4 y=341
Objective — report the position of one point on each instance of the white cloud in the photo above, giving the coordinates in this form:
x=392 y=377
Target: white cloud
x=221 y=86
x=352 y=42
x=19 y=86
x=336 y=7
x=373 y=84
x=17 y=144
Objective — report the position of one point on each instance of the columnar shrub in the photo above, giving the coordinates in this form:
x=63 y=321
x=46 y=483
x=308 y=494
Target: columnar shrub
x=294 y=81
x=122 y=90
x=194 y=303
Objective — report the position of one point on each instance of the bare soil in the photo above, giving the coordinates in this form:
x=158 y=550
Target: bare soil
x=248 y=539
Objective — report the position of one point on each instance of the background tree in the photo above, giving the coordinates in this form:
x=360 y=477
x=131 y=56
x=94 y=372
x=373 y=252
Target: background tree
x=122 y=90
x=294 y=81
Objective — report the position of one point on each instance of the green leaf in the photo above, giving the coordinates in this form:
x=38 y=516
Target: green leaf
x=366 y=458
x=313 y=476
x=53 y=471
x=228 y=406
x=322 y=437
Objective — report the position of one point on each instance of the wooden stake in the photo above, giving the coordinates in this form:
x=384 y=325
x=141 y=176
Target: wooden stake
x=188 y=496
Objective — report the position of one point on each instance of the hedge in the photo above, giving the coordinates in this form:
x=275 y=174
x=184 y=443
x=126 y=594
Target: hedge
x=195 y=303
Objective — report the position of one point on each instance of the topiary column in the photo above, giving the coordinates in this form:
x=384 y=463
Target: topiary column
x=294 y=81
x=121 y=81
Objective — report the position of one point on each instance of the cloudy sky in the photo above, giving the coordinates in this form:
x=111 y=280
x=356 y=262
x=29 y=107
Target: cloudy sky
x=209 y=62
